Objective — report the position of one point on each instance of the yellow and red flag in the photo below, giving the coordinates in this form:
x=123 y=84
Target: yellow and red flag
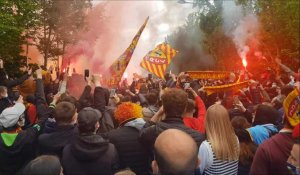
x=156 y=61
x=118 y=67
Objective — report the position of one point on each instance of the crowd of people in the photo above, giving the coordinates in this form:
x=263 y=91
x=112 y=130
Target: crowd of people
x=167 y=126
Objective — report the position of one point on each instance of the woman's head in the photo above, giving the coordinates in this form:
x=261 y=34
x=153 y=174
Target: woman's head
x=220 y=133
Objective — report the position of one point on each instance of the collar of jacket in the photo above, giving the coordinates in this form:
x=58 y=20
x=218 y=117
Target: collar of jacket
x=65 y=127
x=170 y=119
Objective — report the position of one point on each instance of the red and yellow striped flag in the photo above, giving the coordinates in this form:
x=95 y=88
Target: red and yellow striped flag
x=157 y=60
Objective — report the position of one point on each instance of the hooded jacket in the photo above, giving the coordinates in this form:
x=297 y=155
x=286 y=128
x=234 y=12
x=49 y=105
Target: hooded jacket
x=17 y=147
x=90 y=154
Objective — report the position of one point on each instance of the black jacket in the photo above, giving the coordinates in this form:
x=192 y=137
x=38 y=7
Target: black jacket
x=5 y=103
x=21 y=148
x=132 y=153
x=54 y=143
x=90 y=155
x=151 y=131
x=101 y=98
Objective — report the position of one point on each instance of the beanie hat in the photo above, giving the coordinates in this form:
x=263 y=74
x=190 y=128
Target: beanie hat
x=10 y=116
x=127 y=111
x=291 y=106
x=87 y=118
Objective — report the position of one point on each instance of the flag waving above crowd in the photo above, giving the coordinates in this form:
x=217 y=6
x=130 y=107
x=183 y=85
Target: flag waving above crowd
x=118 y=68
x=157 y=60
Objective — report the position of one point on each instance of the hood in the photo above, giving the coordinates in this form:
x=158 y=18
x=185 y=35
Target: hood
x=87 y=148
x=10 y=143
x=136 y=123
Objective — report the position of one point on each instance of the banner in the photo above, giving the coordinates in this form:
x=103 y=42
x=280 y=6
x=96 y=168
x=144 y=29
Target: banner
x=223 y=88
x=118 y=68
x=156 y=61
x=216 y=75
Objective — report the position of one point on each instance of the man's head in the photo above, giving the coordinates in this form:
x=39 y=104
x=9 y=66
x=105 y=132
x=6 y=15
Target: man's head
x=176 y=153
x=65 y=113
x=44 y=165
x=88 y=120
x=13 y=116
x=174 y=102
x=152 y=98
x=3 y=92
x=190 y=108
x=265 y=114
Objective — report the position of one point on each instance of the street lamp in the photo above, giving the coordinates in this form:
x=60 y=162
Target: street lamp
x=185 y=2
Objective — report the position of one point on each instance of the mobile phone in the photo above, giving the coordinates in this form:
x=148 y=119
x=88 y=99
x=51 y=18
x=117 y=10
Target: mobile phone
x=187 y=85
x=112 y=92
x=86 y=73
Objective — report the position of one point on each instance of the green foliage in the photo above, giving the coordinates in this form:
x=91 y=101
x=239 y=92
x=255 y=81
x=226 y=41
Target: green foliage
x=280 y=22
x=278 y=35
x=15 y=18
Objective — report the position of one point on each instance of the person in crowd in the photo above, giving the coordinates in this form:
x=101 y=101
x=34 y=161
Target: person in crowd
x=175 y=153
x=272 y=155
x=188 y=119
x=294 y=158
x=247 y=147
x=4 y=100
x=132 y=153
x=125 y=172
x=65 y=129
x=151 y=108
x=219 y=154
x=44 y=165
x=89 y=153
x=10 y=83
x=17 y=146
x=263 y=126
x=174 y=102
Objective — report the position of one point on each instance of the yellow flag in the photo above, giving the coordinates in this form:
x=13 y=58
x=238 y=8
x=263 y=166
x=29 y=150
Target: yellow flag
x=157 y=60
x=118 y=68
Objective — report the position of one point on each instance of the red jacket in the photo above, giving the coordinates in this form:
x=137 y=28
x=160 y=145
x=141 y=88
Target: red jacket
x=197 y=123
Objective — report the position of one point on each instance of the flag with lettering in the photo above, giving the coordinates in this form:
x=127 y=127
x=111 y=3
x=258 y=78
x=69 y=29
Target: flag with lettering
x=118 y=67
x=157 y=60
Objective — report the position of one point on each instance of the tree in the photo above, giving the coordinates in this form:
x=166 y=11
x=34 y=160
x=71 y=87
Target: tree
x=201 y=42
x=280 y=22
x=16 y=18
x=61 y=22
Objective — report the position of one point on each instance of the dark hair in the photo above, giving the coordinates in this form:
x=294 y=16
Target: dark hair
x=43 y=165
x=64 y=112
x=190 y=107
x=174 y=102
x=151 y=98
x=265 y=114
x=68 y=98
x=166 y=168
x=144 y=89
x=247 y=147
x=87 y=119
x=286 y=90
x=240 y=122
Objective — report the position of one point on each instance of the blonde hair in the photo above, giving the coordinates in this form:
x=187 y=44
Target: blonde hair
x=220 y=133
